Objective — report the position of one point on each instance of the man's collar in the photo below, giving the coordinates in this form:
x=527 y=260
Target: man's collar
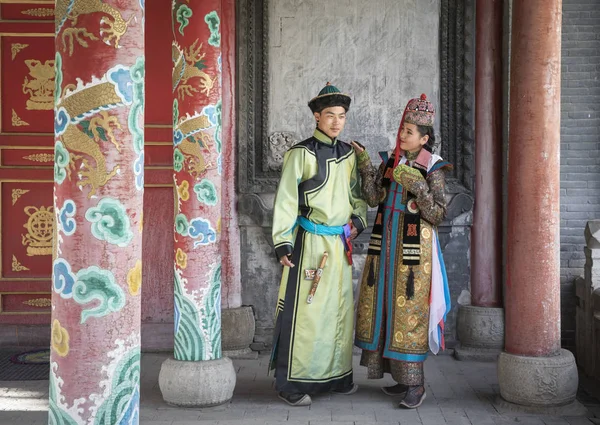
x=322 y=137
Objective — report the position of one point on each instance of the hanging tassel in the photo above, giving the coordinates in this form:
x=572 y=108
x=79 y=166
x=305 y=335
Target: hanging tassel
x=371 y=276
x=410 y=285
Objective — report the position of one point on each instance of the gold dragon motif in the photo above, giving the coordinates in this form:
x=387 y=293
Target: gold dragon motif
x=195 y=151
x=186 y=67
x=114 y=26
x=96 y=176
x=85 y=146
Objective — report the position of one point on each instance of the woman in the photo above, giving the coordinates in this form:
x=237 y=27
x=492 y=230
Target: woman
x=404 y=294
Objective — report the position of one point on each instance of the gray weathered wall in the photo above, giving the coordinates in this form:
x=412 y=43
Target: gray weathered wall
x=382 y=53
x=580 y=145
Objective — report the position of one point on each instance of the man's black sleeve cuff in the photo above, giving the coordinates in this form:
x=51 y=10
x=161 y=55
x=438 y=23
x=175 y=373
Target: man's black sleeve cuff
x=358 y=223
x=283 y=249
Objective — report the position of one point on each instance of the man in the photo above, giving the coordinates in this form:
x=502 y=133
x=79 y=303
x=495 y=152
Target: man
x=318 y=210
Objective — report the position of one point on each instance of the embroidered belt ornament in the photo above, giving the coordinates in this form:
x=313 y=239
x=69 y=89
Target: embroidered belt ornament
x=377 y=232
x=411 y=230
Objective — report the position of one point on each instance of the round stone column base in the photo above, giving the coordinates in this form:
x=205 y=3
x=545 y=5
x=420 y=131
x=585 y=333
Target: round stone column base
x=480 y=332
x=538 y=381
x=237 y=332
x=197 y=384
x=475 y=354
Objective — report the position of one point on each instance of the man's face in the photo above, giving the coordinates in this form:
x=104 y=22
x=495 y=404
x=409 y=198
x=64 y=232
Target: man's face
x=331 y=121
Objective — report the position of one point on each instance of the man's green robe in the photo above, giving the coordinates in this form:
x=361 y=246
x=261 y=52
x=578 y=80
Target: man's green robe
x=312 y=345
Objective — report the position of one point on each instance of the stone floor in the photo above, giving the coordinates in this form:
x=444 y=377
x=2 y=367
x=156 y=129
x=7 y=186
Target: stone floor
x=458 y=393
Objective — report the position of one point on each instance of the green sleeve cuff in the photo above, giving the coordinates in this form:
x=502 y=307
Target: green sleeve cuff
x=363 y=159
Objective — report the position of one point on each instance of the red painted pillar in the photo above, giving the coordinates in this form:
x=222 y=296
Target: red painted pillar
x=533 y=239
x=198 y=147
x=198 y=375
x=230 y=244
x=534 y=370
x=98 y=202
x=486 y=234
x=480 y=325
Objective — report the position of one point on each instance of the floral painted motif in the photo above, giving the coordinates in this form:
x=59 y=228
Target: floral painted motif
x=197 y=147
x=136 y=114
x=98 y=200
x=134 y=278
x=206 y=192
x=201 y=229
x=183 y=15
x=213 y=21
x=183 y=190
x=63 y=278
x=61 y=162
x=181 y=258
x=95 y=284
x=65 y=217
x=178 y=159
x=60 y=339
x=110 y=222
x=181 y=225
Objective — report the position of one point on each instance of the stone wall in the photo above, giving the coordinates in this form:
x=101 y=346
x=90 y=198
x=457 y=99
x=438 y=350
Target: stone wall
x=588 y=305
x=580 y=145
x=382 y=53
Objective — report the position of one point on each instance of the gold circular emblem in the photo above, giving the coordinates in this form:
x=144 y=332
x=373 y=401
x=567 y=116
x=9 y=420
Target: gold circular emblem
x=412 y=206
x=40 y=224
x=403 y=268
x=427 y=267
x=400 y=301
x=426 y=233
x=399 y=337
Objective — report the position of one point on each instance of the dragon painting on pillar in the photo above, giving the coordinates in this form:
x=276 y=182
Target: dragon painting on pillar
x=197 y=147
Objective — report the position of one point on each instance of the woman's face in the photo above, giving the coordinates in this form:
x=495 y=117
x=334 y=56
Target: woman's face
x=410 y=138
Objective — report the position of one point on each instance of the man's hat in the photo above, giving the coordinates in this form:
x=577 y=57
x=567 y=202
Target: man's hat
x=329 y=96
x=419 y=111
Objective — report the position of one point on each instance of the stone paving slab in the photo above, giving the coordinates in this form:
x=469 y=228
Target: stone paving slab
x=458 y=393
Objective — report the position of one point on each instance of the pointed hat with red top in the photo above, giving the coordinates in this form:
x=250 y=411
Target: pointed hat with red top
x=418 y=111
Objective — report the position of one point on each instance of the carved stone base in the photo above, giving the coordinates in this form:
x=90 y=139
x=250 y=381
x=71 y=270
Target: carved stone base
x=481 y=333
x=237 y=331
x=197 y=384
x=538 y=381
x=473 y=354
x=574 y=408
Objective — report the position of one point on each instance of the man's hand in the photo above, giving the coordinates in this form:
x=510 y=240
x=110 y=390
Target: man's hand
x=285 y=261
x=353 y=231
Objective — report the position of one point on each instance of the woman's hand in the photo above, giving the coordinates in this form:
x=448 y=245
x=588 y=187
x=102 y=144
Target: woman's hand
x=358 y=148
x=361 y=154
x=408 y=177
